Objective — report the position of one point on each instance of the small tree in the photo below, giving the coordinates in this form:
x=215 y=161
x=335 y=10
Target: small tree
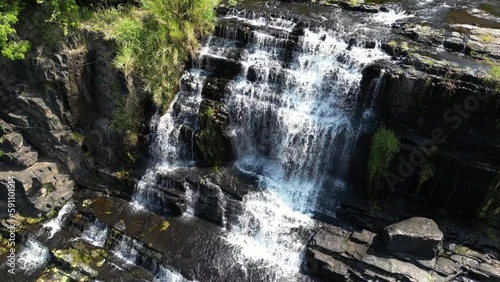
x=63 y=13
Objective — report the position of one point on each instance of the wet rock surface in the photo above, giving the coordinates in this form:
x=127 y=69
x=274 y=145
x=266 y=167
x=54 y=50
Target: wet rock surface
x=56 y=118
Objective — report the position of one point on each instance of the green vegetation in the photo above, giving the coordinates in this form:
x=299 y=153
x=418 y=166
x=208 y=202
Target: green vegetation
x=49 y=187
x=493 y=77
x=164 y=226
x=486 y=38
x=425 y=174
x=155 y=40
x=405 y=46
x=461 y=250
x=211 y=112
x=429 y=62
x=494 y=73
x=353 y=2
x=393 y=44
x=4 y=245
x=62 y=13
x=232 y=2
x=122 y=174
x=26 y=220
x=10 y=45
x=209 y=139
x=491 y=204
x=384 y=146
x=78 y=138
x=81 y=255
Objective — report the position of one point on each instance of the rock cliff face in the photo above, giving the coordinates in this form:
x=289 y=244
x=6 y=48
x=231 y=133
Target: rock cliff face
x=446 y=117
x=56 y=114
x=336 y=254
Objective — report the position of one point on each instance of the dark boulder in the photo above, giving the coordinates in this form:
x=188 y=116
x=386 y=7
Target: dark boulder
x=417 y=235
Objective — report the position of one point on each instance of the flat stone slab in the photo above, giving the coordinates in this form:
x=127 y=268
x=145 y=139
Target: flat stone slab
x=417 y=235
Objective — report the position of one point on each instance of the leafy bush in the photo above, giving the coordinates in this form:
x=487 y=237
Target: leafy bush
x=384 y=146
x=10 y=45
x=63 y=13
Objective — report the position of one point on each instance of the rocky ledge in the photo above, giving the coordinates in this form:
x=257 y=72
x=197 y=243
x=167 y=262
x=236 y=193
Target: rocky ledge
x=411 y=250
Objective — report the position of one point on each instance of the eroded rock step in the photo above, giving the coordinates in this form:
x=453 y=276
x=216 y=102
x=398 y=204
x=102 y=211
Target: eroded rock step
x=406 y=251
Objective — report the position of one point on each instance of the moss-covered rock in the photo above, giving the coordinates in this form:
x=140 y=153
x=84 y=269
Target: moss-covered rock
x=212 y=142
x=385 y=145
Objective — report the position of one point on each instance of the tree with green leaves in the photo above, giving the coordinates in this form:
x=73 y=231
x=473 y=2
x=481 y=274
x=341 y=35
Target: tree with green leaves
x=10 y=45
x=63 y=13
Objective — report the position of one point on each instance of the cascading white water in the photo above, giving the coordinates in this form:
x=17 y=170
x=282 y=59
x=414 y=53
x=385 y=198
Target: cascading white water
x=294 y=131
x=291 y=111
x=54 y=225
x=95 y=233
x=391 y=16
x=165 y=275
x=168 y=150
x=126 y=249
x=33 y=256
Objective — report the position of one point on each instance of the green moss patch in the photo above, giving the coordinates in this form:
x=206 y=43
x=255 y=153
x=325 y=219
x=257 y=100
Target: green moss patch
x=164 y=226
x=384 y=146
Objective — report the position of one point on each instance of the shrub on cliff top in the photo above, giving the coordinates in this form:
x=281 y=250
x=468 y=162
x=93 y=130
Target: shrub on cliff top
x=384 y=146
x=155 y=39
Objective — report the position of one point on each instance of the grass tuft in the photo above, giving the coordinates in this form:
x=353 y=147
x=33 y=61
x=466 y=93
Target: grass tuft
x=155 y=40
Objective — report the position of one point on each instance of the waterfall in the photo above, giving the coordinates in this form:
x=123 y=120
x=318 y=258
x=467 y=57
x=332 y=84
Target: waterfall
x=54 y=225
x=32 y=256
x=125 y=248
x=95 y=233
x=168 y=149
x=292 y=108
x=293 y=124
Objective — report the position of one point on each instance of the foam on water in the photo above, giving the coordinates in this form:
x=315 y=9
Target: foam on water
x=33 y=256
x=96 y=233
x=390 y=17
